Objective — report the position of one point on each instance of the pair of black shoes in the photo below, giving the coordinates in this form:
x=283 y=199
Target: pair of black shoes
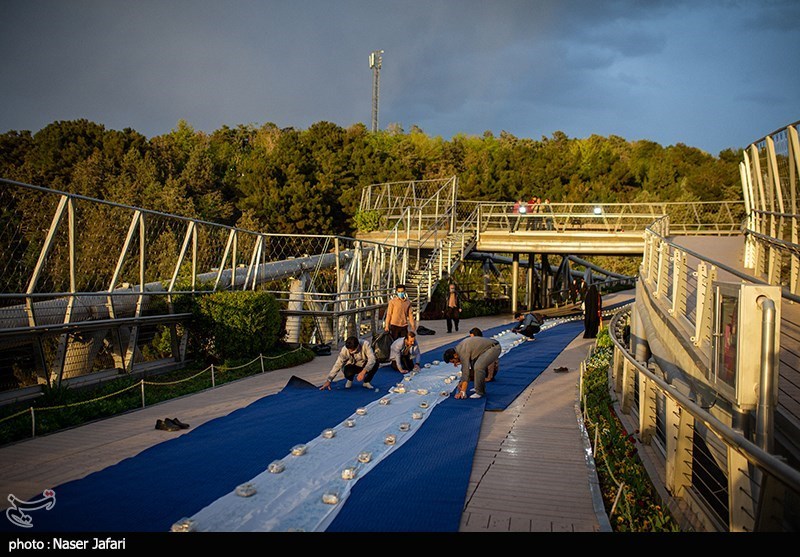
x=171 y=424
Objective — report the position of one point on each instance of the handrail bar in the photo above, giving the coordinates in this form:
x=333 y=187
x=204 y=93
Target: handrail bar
x=749 y=450
x=785 y=292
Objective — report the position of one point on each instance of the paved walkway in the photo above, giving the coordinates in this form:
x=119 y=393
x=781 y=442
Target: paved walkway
x=532 y=468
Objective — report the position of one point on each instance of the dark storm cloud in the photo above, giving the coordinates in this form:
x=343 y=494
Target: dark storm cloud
x=670 y=71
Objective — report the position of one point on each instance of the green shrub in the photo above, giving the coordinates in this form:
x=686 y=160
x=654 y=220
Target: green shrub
x=368 y=221
x=239 y=324
x=604 y=339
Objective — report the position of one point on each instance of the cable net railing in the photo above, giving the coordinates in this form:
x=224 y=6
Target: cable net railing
x=89 y=285
x=770 y=174
x=717 y=472
x=393 y=198
x=705 y=217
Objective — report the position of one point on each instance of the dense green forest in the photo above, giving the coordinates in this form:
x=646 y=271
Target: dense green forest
x=309 y=181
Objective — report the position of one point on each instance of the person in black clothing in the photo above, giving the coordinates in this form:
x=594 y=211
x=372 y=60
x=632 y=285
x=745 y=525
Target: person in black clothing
x=592 y=312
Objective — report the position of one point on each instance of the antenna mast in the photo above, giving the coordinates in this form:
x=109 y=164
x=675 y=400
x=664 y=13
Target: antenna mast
x=375 y=59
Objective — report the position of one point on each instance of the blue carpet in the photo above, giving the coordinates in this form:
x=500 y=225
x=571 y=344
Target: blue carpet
x=520 y=366
x=423 y=487
x=177 y=478
x=420 y=488
x=152 y=490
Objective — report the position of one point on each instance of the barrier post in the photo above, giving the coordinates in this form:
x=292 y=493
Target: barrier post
x=142 y=384
x=261 y=361
x=33 y=423
x=213 y=380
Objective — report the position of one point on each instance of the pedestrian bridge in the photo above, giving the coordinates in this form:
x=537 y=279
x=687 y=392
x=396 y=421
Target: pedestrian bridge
x=87 y=289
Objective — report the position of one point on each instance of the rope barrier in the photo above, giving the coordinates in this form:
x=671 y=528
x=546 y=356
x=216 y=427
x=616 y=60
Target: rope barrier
x=140 y=384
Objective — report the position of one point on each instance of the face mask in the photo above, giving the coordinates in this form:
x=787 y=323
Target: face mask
x=452 y=289
x=401 y=294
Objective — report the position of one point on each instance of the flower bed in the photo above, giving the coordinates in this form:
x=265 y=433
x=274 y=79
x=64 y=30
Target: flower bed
x=631 y=501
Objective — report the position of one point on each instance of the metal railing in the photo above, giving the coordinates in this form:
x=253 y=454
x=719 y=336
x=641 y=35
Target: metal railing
x=428 y=197
x=72 y=263
x=445 y=257
x=770 y=174
x=733 y=482
x=702 y=217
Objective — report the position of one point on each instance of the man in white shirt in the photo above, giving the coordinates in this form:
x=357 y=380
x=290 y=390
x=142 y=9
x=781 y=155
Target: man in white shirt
x=405 y=353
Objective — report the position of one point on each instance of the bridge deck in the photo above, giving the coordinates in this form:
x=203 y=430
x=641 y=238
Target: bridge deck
x=530 y=471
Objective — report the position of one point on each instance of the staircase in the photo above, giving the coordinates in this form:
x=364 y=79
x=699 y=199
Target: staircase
x=421 y=281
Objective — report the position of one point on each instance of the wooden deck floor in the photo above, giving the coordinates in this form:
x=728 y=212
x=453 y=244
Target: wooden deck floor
x=532 y=470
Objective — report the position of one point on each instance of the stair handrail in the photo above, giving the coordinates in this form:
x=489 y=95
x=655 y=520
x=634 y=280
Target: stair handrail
x=467 y=237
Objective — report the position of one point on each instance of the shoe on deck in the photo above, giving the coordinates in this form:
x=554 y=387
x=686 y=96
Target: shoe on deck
x=475 y=395
x=179 y=423
x=166 y=425
x=367 y=385
x=348 y=384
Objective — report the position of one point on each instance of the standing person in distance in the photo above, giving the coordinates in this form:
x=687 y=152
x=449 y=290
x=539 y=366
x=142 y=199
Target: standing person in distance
x=592 y=312
x=399 y=314
x=405 y=354
x=452 y=308
x=357 y=361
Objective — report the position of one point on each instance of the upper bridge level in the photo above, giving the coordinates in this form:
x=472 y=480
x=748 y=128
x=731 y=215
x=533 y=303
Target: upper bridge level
x=422 y=215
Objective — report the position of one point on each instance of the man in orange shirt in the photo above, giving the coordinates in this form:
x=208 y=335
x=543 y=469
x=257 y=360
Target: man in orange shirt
x=399 y=315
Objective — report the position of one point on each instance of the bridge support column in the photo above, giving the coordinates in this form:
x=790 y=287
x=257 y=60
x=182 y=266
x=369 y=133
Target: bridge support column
x=742 y=495
x=487 y=276
x=514 y=281
x=530 y=295
x=617 y=370
x=647 y=409
x=639 y=345
x=542 y=293
x=297 y=290
x=628 y=387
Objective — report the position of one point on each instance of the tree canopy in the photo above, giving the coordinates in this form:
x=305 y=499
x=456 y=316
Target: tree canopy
x=309 y=181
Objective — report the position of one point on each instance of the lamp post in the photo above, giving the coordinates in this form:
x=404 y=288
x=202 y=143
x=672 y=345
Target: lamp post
x=375 y=59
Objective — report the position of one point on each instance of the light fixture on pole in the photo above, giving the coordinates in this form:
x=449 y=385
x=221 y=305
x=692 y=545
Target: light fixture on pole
x=375 y=59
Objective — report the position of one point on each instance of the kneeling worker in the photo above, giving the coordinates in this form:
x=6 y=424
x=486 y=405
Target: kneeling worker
x=405 y=354
x=529 y=324
x=475 y=355
x=494 y=367
x=357 y=360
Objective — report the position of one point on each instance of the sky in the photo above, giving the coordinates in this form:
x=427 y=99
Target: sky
x=711 y=74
